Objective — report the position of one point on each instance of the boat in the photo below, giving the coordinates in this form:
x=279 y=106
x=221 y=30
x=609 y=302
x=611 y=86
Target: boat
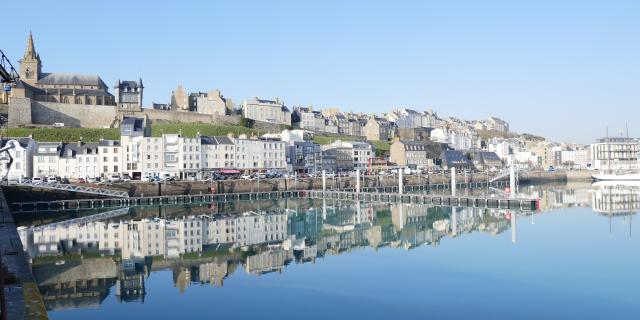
x=616 y=177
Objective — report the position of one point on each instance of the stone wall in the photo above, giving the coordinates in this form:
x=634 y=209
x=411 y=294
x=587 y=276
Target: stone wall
x=19 y=112
x=172 y=116
x=72 y=115
x=25 y=111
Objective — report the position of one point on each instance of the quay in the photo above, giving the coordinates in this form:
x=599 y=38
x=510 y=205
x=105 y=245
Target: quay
x=390 y=195
x=19 y=294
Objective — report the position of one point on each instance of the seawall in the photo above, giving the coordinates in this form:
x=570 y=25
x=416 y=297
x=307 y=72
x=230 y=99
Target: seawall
x=21 y=294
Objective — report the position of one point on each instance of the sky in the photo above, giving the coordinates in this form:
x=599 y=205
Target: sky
x=561 y=69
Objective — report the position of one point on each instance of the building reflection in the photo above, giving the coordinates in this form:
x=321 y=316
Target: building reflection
x=78 y=262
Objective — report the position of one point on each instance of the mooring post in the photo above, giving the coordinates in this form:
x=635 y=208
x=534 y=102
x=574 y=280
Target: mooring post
x=512 y=181
x=453 y=181
x=324 y=180
x=400 y=182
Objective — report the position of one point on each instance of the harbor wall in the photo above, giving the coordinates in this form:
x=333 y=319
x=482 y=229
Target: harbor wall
x=21 y=294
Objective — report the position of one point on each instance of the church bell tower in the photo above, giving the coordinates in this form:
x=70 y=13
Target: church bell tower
x=30 y=64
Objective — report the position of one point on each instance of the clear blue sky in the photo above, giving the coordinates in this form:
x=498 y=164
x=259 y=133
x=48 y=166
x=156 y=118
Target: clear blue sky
x=562 y=69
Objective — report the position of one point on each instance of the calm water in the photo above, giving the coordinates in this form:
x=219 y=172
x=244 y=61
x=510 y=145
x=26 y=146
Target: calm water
x=576 y=258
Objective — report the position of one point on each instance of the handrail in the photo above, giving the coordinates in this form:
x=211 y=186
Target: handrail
x=75 y=188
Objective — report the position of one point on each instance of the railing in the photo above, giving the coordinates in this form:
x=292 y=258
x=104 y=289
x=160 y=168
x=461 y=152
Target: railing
x=75 y=188
x=87 y=219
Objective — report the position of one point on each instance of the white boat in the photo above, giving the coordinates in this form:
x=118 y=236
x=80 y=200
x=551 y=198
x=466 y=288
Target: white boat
x=616 y=177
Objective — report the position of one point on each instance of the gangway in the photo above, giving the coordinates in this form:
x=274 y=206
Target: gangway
x=503 y=174
x=7 y=72
x=74 y=188
x=83 y=220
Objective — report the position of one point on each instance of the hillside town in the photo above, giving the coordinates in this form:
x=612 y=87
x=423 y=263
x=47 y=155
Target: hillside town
x=403 y=138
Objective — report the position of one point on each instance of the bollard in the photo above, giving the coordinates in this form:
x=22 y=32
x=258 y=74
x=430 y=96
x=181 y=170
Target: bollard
x=453 y=181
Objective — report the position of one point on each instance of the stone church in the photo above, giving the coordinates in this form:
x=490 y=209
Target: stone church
x=73 y=100
x=58 y=87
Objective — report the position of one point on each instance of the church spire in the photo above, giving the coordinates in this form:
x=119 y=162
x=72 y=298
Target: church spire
x=30 y=53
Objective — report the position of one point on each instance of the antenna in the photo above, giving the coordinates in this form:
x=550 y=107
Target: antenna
x=627 y=127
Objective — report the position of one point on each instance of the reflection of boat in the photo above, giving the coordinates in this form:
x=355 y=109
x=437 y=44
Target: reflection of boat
x=616 y=177
x=614 y=183
x=616 y=198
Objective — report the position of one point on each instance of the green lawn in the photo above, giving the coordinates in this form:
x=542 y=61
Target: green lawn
x=65 y=134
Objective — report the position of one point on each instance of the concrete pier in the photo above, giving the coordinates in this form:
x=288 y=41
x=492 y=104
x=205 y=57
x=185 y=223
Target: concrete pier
x=22 y=299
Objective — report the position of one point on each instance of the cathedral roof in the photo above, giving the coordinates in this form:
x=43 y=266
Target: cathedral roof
x=72 y=79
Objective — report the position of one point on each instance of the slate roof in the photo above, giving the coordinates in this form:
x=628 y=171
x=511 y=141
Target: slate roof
x=56 y=145
x=216 y=140
x=72 y=79
x=454 y=158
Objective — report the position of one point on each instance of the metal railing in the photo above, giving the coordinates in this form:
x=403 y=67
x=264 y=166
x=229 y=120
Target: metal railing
x=74 y=188
x=83 y=220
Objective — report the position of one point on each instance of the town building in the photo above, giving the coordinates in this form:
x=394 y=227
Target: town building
x=379 y=129
x=45 y=159
x=218 y=152
x=211 y=102
x=486 y=160
x=350 y=155
x=180 y=99
x=414 y=154
x=615 y=154
x=79 y=160
x=128 y=95
x=497 y=124
x=407 y=118
x=110 y=152
x=455 y=159
x=270 y=111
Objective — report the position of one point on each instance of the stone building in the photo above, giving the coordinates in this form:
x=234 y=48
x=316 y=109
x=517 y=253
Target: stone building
x=211 y=102
x=486 y=160
x=415 y=154
x=270 y=111
x=179 y=99
x=129 y=95
x=379 y=129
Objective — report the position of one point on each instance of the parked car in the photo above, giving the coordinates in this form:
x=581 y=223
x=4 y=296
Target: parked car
x=38 y=179
x=114 y=178
x=92 y=180
x=64 y=181
x=126 y=178
x=81 y=180
x=246 y=177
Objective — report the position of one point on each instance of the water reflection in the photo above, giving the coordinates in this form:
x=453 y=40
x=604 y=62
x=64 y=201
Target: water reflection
x=80 y=262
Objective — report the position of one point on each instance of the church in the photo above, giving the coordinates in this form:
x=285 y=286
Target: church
x=58 y=87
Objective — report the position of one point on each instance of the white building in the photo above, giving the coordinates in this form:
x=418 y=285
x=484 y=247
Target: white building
x=45 y=159
x=271 y=111
x=458 y=140
x=79 y=160
x=615 y=154
x=110 y=152
x=218 y=153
